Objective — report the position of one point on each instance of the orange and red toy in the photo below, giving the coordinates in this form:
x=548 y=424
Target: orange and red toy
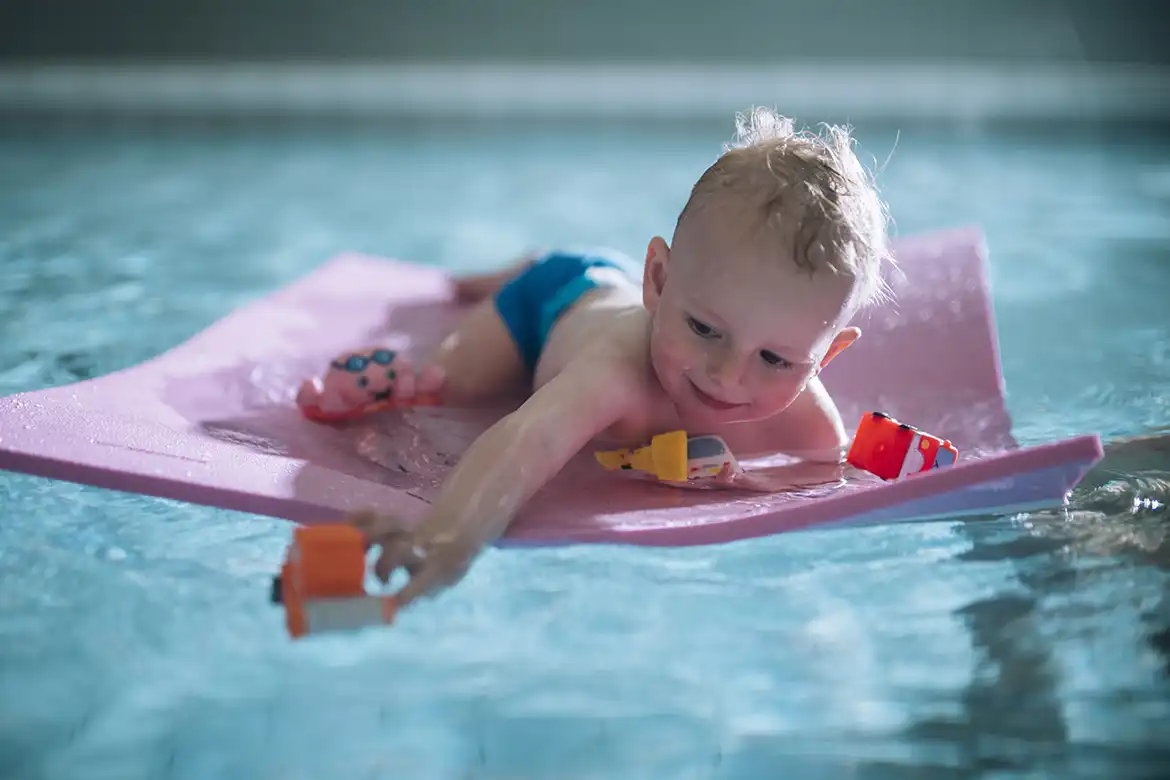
x=891 y=450
x=321 y=583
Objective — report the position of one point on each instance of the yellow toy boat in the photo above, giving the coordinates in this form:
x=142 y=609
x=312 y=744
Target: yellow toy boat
x=673 y=457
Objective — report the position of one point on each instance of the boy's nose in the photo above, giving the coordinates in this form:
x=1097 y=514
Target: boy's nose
x=724 y=371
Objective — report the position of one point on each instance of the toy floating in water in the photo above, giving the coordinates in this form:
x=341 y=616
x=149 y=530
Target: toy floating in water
x=673 y=457
x=891 y=450
x=321 y=583
x=365 y=381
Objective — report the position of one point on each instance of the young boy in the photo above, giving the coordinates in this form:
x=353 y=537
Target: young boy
x=723 y=330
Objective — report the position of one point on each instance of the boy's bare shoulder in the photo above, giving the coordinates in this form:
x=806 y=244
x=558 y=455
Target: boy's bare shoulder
x=610 y=349
x=613 y=339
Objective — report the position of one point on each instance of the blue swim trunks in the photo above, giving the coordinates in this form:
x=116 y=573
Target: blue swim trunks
x=532 y=302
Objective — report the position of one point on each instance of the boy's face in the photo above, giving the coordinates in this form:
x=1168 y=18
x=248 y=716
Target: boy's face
x=737 y=337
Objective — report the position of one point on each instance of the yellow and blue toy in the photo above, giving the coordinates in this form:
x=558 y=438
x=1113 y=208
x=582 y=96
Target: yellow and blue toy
x=673 y=457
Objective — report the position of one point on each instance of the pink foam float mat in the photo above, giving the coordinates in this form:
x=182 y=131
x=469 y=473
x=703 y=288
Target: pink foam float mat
x=212 y=421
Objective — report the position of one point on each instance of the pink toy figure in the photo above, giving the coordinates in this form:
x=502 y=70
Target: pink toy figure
x=367 y=380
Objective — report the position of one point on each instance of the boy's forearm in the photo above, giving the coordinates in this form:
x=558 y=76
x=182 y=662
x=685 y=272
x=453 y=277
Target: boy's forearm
x=497 y=475
x=518 y=455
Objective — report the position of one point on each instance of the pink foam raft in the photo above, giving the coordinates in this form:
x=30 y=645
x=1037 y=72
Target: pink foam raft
x=213 y=422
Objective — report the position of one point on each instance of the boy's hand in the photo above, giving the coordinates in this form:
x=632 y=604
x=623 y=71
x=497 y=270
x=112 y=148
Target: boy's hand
x=727 y=475
x=802 y=475
x=776 y=479
x=433 y=561
x=726 y=478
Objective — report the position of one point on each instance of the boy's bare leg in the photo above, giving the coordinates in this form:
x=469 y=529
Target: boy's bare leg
x=479 y=360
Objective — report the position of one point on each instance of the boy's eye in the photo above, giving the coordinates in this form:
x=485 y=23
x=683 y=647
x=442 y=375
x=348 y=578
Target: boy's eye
x=702 y=329
x=772 y=359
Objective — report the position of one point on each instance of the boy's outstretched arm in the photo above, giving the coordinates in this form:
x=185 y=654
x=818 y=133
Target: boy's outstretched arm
x=501 y=471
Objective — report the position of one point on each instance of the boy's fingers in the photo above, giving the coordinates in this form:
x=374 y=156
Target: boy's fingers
x=413 y=559
x=426 y=579
x=385 y=565
x=438 y=571
x=399 y=552
x=389 y=560
x=366 y=522
x=373 y=525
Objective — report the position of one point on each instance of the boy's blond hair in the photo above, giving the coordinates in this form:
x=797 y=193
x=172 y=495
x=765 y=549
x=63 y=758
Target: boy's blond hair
x=805 y=189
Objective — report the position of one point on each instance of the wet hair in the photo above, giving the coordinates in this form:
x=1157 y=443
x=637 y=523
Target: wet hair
x=807 y=190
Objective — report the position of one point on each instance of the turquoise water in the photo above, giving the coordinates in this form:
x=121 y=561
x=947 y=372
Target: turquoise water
x=135 y=636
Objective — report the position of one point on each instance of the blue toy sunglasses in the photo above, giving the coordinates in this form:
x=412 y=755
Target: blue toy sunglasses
x=355 y=364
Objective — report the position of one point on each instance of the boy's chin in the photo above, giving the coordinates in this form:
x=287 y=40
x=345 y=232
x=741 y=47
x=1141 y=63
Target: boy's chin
x=696 y=412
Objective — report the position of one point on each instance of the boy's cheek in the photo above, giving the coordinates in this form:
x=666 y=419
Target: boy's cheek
x=675 y=353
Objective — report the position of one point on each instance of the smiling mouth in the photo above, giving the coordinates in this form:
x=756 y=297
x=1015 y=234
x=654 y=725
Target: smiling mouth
x=711 y=401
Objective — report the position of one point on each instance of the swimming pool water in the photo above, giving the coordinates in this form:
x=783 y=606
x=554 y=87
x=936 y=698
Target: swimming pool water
x=135 y=636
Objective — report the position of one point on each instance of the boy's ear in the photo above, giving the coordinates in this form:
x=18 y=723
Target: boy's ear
x=654 y=272
x=840 y=342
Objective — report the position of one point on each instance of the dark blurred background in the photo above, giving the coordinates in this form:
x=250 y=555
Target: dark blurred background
x=1126 y=31
x=1071 y=59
